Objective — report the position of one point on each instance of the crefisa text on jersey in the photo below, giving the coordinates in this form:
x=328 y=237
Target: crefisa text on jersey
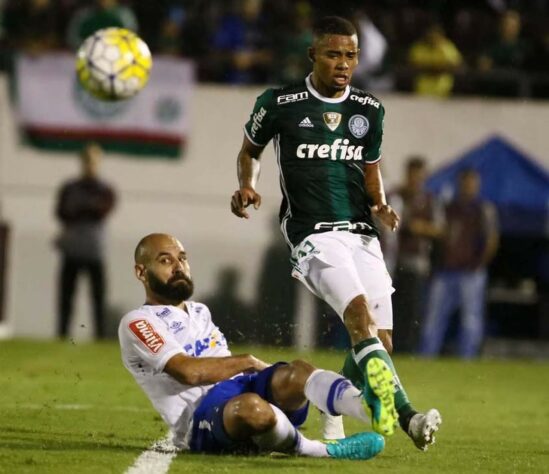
x=338 y=150
x=365 y=100
x=257 y=119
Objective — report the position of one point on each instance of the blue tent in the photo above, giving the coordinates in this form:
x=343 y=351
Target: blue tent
x=517 y=185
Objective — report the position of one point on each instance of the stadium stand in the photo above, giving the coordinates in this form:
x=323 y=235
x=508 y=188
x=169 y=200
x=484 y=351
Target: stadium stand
x=205 y=31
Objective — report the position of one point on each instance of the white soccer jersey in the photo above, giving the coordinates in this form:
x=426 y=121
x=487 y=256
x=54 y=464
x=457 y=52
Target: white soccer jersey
x=151 y=335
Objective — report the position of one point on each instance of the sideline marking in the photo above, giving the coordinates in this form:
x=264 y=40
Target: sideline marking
x=155 y=460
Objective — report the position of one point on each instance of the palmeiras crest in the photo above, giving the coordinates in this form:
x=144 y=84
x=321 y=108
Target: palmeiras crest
x=358 y=125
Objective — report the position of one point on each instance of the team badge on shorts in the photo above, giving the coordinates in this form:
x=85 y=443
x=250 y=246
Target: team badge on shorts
x=332 y=120
x=359 y=125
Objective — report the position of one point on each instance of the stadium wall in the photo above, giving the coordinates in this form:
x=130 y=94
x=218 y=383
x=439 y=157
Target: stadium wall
x=190 y=197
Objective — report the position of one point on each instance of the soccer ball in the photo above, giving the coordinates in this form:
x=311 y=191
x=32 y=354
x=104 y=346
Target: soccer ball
x=113 y=64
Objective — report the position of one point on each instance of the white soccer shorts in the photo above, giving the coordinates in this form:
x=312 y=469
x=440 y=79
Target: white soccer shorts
x=337 y=266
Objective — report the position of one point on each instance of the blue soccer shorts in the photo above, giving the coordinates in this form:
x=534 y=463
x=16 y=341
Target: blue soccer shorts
x=208 y=433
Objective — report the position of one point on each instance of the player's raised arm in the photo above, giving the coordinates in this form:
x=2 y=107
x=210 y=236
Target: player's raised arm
x=248 y=169
x=374 y=187
x=207 y=370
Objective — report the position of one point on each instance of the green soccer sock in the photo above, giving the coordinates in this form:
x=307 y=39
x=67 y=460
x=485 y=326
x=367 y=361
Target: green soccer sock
x=354 y=369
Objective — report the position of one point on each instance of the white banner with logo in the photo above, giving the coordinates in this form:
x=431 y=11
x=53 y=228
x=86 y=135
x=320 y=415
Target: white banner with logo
x=55 y=112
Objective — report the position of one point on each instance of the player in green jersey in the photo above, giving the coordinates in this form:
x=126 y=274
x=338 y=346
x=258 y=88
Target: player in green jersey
x=327 y=137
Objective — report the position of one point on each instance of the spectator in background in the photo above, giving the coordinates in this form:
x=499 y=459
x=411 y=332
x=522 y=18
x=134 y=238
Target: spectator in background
x=242 y=52
x=291 y=64
x=32 y=25
x=469 y=243
x=508 y=51
x=411 y=252
x=369 y=73
x=434 y=59
x=169 y=39
x=103 y=14
x=196 y=37
x=503 y=60
x=82 y=206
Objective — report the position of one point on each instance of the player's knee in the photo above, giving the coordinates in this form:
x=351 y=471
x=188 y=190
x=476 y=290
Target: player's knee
x=289 y=379
x=253 y=412
x=357 y=307
x=300 y=369
x=288 y=384
x=357 y=314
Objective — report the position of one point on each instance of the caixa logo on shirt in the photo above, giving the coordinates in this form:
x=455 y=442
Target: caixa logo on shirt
x=200 y=345
x=147 y=335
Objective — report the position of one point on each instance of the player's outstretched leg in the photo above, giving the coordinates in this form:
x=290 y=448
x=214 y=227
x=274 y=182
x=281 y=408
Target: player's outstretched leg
x=420 y=427
x=370 y=368
x=249 y=416
x=295 y=383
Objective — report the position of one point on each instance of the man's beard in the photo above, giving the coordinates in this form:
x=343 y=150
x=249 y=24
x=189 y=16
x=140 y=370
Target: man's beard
x=176 y=290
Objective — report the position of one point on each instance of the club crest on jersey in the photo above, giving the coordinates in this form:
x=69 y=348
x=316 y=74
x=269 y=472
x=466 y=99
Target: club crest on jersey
x=176 y=326
x=147 y=335
x=358 y=125
x=332 y=120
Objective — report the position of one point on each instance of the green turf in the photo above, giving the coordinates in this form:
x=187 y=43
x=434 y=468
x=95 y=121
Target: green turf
x=72 y=408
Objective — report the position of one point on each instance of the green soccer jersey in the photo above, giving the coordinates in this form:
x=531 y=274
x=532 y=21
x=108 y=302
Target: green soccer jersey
x=322 y=146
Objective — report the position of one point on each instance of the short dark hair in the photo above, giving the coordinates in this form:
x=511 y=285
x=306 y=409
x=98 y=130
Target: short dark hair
x=333 y=25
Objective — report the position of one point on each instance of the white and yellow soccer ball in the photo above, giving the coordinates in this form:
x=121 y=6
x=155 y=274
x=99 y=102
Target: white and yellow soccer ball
x=113 y=64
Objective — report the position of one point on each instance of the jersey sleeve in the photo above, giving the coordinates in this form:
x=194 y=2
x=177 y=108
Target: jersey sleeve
x=261 y=126
x=148 y=338
x=375 y=138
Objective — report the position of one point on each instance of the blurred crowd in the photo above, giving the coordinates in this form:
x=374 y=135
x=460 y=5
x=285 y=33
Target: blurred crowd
x=437 y=48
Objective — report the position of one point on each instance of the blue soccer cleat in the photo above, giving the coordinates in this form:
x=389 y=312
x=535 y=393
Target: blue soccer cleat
x=359 y=446
x=379 y=397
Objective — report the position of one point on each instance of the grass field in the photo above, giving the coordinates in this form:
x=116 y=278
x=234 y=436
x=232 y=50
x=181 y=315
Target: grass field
x=72 y=408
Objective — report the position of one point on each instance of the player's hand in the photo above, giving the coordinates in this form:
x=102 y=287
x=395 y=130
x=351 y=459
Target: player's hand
x=241 y=199
x=256 y=365
x=387 y=215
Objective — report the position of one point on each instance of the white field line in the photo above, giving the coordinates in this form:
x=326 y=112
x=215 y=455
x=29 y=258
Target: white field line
x=153 y=461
